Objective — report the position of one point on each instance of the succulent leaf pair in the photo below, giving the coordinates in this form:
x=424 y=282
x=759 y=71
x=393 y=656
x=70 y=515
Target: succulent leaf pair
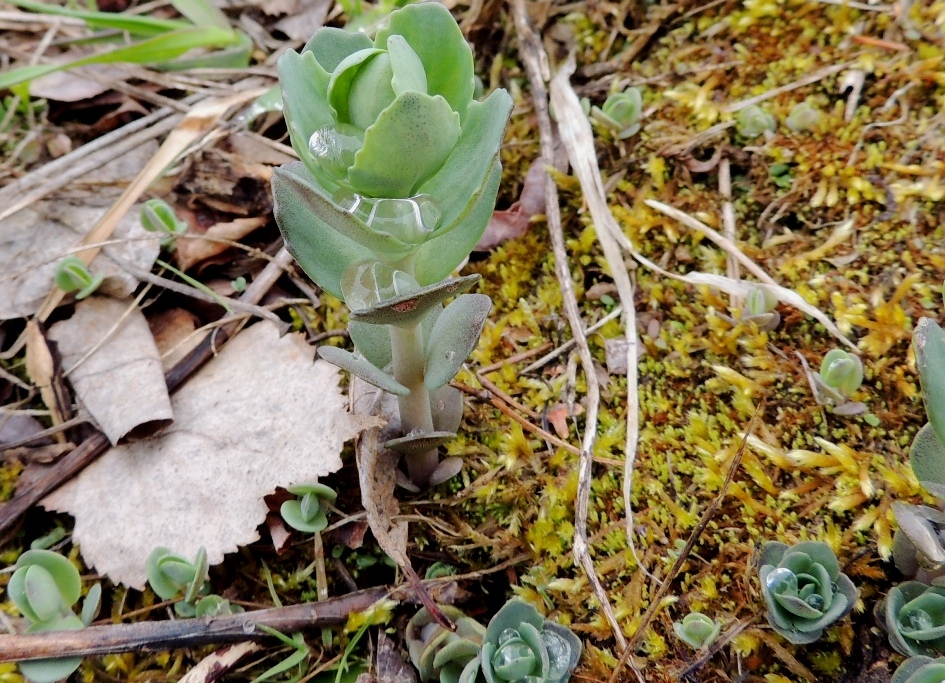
x=697 y=630
x=804 y=590
x=920 y=669
x=308 y=512
x=439 y=654
x=172 y=576
x=620 y=113
x=45 y=587
x=398 y=177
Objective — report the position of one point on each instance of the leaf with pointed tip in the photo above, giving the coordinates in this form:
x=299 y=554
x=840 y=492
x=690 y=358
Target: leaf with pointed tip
x=446 y=404
x=294 y=516
x=419 y=443
x=361 y=367
x=408 y=309
x=92 y=604
x=454 y=336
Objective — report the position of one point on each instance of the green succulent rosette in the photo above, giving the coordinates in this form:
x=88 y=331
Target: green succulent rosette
x=308 y=512
x=522 y=646
x=395 y=152
x=697 y=630
x=804 y=590
x=439 y=654
x=920 y=669
x=913 y=616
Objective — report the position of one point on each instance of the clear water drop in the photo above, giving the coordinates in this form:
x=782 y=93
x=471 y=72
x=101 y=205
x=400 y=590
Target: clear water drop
x=334 y=149
x=920 y=620
x=367 y=283
x=411 y=220
x=779 y=579
x=507 y=635
x=512 y=654
x=559 y=654
x=815 y=600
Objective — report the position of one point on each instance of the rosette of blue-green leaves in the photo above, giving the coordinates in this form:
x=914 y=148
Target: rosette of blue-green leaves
x=913 y=616
x=396 y=152
x=804 y=590
x=697 y=630
x=521 y=646
x=920 y=669
x=438 y=653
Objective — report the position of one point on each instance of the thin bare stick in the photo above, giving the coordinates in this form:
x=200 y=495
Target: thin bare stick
x=568 y=345
x=728 y=222
x=534 y=57
x=656 y=600
x=818 y=75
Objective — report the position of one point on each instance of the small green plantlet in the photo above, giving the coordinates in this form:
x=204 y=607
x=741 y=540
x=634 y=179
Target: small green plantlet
x=760 y=305
x=520 y=646
x=913 y=616
x=45 y=587
x=841 y=374
x=307 y=513
x=158 y=216
x=73 y=275
x=920 y=669
x=397 y=180
x=753 y=121
x=442 y=655
x=620 y=113
x=173 y=576
x=239 y=284
x=781 y=175
x=439 y=570
x=299 y=656
x=803 y=117
x=803 y=589
x=697 y=630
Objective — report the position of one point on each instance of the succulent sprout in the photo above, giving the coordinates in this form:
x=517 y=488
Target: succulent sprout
x=920 y=669
x=620 y=112
x=307 y=513
x=697 y=630
x=804 y=589
x=44 y=587
x=803 y=116
x=752 y=121
x=398 y=177
x=913 y=616
x=173 y=576
x=158 y=216
x=842 y=370
x=520 y=645
x=73 y=275
x=760 y=304
x=439 y=654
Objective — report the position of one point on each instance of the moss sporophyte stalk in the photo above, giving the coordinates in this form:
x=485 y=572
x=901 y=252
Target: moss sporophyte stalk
x=397 y=180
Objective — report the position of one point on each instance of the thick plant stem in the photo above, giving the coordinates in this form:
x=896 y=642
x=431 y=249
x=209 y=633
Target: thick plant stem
x=415 y=414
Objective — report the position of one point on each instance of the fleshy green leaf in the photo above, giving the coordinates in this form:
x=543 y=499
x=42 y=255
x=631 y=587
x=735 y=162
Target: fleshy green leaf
x=163 y=585
x=927 y=456
x=419 y=443
x=362 y=368
x=372 y=342
x=408 y=73
x=332 y=45
x=409 y=309
x=929 y=344
x=292 y=513
x=92 y=604
x=342 y=81
x=52 y=670
x=447 y=59
x=305 y=100
x=42 y=593
x=821 y=553
x=63 y=572
x=454 y=336
x=407 y=143
x=446 y=404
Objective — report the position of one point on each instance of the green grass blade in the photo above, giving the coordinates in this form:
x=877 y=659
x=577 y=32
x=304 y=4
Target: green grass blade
x=136 y=25
x=202 y=13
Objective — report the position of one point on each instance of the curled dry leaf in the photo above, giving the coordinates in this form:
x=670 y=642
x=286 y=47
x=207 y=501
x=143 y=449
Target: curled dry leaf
x=200 y=247
x=261 y=414
x=119 y=378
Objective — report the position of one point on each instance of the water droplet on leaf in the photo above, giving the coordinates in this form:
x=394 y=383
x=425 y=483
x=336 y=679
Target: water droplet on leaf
x=780 y=579
x=334 y=149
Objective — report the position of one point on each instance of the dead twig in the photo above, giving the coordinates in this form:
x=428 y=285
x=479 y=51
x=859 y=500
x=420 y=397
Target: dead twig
x=536 y=65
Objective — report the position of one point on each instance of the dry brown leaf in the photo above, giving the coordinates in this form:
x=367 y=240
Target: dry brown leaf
x=192 y=250
x=70 y=86
x=114 y=365
x=173 y=332
x=259 y=415
x=44 y=373
x=308 y=16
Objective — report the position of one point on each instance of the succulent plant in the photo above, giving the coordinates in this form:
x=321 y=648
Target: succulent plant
x=752 y=121
x=913 y=616
x=398 y=177
x=803 y=116
x=760 y=305
x=697 y=630
x=73 y=275
x=158 y=216
x=440 y=654
x=307 y=513
x=804 y=590
x=620 y=112
x=44 y=587
x=172 y=576
x=920 y=669
x=520 y=645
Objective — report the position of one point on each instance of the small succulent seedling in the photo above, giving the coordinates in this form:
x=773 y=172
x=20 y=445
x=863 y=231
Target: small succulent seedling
x=920 y=669
x=439 y=654
x=174 y=577
x=804 y=590
x=521 y=646
x=752 y=121
x=697 y=630
x=307 y=512
x=760 y=305
x=913 y=616
x=841 y=374
x=397 y=180
x=620 y=113
x=45 y=587
x=158 y=216
x=803 y=116
x=73 y=275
